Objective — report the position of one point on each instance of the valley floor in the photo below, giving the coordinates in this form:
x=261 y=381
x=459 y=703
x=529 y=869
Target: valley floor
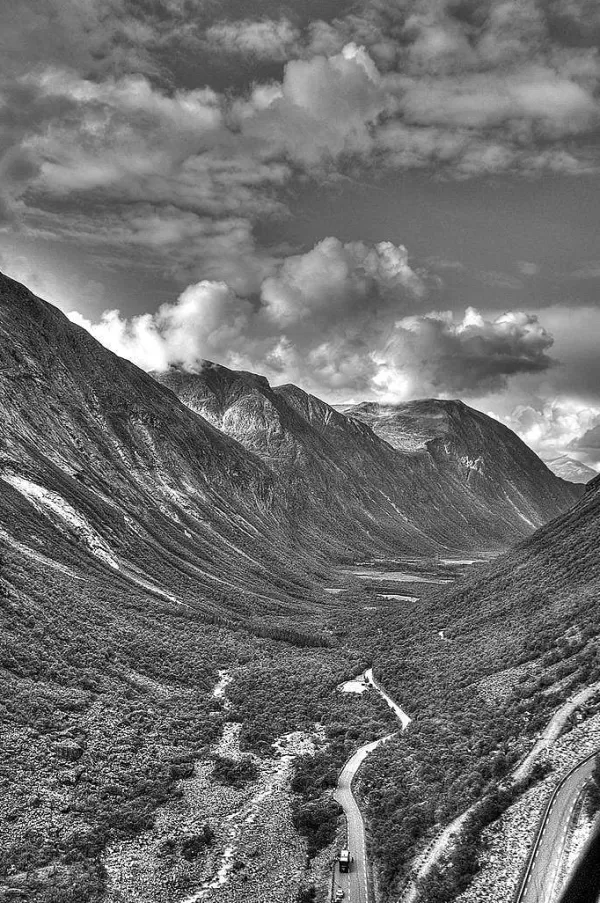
x=255 y=856
x=279 y=712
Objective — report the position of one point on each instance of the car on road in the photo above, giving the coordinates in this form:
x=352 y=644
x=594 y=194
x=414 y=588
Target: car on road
x=344 y=860
x=339 y=894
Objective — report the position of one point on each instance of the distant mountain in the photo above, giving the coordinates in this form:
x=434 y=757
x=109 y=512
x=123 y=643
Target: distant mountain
x=416 y=477
x=475 y=455
x=204 y=483
x=571 y=469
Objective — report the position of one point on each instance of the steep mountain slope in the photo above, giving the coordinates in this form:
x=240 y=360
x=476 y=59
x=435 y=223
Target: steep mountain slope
x=138 y=545
x=430 y=471
x=476 y=456
x=571 y=469
x=102 y=468
x=547 y=585
x=482 y=666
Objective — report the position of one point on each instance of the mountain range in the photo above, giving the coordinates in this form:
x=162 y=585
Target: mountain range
x=190 y=481
x=424 y=475
x=155 y=528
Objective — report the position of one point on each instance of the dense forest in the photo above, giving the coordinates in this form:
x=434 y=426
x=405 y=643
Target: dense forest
x=107 y=701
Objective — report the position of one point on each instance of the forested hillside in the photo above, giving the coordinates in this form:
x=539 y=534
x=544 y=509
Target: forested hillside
x=515 y=641
x=143 y=549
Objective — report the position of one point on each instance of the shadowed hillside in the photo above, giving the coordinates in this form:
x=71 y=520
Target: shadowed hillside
x=99 y=462
x=402 y=477
x=151 y=536
x=481 y=666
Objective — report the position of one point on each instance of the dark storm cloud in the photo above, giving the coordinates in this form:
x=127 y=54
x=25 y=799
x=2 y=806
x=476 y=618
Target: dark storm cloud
x=589 y=442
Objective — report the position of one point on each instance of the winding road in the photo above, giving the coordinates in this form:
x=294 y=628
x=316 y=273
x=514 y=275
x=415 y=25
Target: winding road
x=540 y=878
x=538 y=884
x=355 y=883
x=429 y=857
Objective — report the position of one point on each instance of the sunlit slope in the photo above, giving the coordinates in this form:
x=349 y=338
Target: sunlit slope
x=471 y=485
x=100 y=466
x=482 y=463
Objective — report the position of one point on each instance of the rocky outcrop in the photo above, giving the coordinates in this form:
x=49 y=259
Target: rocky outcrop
x=421 y=475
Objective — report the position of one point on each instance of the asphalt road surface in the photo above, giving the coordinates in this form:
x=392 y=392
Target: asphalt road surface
x=354 y=883
x=539 y=884
x=553 y=729
x=551 y=732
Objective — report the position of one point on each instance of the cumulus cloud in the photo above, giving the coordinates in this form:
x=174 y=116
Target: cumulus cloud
x=325 y=107
x=534 y=97
x=120 y=135
x=472 y=88
x=96 y=36
x=476 y=88
x=189 y=246
x=557 y=410
x=340 y=320
x=559 y=426
x=474 y=355
x=468 y=89
x=207 y=315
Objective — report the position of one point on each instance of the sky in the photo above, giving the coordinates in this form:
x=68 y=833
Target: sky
x=377 y=200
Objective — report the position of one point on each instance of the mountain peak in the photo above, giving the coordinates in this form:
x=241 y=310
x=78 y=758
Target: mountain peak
x=571 y=469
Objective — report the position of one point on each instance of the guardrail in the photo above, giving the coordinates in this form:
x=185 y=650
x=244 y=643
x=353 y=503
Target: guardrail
x=540 y=831
x=422 y=857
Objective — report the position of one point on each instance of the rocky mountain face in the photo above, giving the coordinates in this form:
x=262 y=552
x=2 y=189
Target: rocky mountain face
x=477 y=458
x=409 y=475
x=194 y=485
x=571 y=469
x=103 y=469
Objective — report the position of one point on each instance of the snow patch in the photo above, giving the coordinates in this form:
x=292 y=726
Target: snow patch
x=398 y=598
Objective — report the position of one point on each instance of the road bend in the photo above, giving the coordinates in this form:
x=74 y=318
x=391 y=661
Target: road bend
x=440 y=845
x=355 y=883
x=540 y=881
